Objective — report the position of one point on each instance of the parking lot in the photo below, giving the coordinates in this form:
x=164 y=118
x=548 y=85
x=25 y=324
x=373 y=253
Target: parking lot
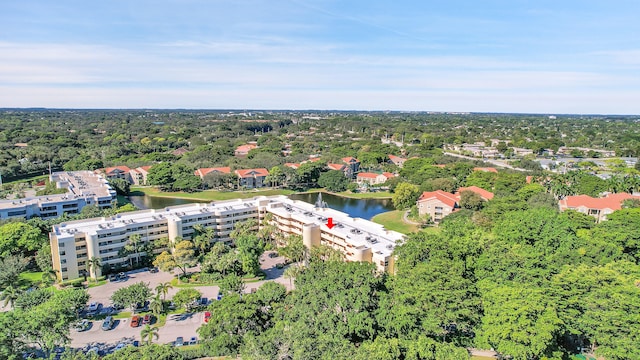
x=185 y=325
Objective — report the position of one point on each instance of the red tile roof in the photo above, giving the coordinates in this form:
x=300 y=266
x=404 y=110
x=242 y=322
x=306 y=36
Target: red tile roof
x=349 y=159
x=113 y=169
x=145 y=168
x=336 y=166
x=367 y=175
x=246 y=173
x=487 y=195
x=612 y=201
x=245 y=148
x=444 y=197
x=202 y=172
x=292 y=165
x=388 y=175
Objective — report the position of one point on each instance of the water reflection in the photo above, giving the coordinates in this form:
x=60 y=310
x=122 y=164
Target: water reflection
x=362 y=208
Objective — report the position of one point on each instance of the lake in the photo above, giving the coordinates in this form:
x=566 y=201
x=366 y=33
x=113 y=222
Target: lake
x=362 y=208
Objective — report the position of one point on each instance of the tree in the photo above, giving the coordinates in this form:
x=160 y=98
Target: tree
x=121 y=186
x=43 y=258
x=405 y=196
x=291 y=273
x=333 y=180
x=20 y=238
x=185 y=297
x=163 y=289
x=471 y=200
x=294 y=248
x=9 y=295
x=157 y=305
x=93 y=265
x=132 y=295
x=231 y=284
x=10 y=268
x=275 y=177
x=148 y=333
x=182 y=257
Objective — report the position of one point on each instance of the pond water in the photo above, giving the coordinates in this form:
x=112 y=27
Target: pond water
x=362 y=208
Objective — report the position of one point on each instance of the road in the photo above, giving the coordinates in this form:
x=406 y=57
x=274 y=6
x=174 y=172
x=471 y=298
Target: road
x=185 y=325
x=499 y=163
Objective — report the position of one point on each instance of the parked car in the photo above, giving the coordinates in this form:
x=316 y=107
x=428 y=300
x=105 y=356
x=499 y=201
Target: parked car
x=279 y=265
x=107 y=324
x=193 y=341
x=179 y=341
x=120 y=346
x=146 y=319
x=93 y=307
x=204 y=301
x=153 y=270
x=272 y=255
x=135 y=321
x=219 y=297
x=83 y=325
x=207 y=316
x=112 y=277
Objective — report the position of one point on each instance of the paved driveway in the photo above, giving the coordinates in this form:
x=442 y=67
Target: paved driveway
x=185 y=325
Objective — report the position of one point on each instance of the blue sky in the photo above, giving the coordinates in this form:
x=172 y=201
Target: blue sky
x=486 y=56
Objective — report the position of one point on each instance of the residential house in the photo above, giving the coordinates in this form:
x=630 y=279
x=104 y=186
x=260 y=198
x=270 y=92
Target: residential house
x=599 y=208
x=202 y=172
x=396 y=160
x=252 y=178
x=438 y=204
x=139 y=175
x=243 y=150
x=373 y=179
x=179 y=151
x=486 y=169
x=294 y=166
x=353 y=166
x=117 y=172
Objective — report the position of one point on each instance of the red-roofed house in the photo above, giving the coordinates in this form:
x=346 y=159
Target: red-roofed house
x=252 y=178
x=339 y=167
x=139 y=175
x=485 y=169
x=438 y=204
x=484 y=194
x=596 y=207
x=117 y=172
x=396 y=160
x=372 y=178
x=202 y=172
x=292 y=165
x=243 y=150
x=353 y=165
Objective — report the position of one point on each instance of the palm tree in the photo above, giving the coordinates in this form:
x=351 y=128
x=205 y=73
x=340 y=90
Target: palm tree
x=134 y=240
x=157 y=305
x=10 y=295
x=49 y=277
x=93 y=265
x=291 y=273
x=163 y=288
x=149 y=333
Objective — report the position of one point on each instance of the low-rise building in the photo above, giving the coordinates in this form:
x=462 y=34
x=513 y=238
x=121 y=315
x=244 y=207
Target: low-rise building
x=353 y=166
x=373 y=178
x=139 y=175
x=599 y=208
x=74 y=243
x=83 y=188
x=243 y=150
x=117 y=172
x=438 y=204
x=486 y=169
x=397 y=160
x=202 y=172
x=252 y=178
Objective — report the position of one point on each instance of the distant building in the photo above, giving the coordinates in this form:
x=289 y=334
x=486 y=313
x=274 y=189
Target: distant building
x=485 y=169
x=396 y=160
x=139 y=175
x=117 y=172
x=179 y=151
x=353 y=166
x=373 y=178
x=438 y=204
x=202 y=172
x=252 y=178
x=243 y=150
x=294 y=166
x=599 y=208
x=84 y=188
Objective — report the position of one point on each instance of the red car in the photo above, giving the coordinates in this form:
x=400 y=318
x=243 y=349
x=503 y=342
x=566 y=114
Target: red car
x=207 y=316
x=146 y=319
x=135 y=321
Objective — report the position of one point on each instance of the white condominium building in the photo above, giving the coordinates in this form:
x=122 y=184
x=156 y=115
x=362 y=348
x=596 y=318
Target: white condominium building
x=74 y=243
x=83 y=188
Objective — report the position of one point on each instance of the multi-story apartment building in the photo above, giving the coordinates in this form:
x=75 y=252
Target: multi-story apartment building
x=74 y=243
x=84 y=188
x=599 y=208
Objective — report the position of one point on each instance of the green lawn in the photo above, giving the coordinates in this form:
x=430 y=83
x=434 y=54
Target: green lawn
x=212 y=195
x=392 y=220
x=34 y=277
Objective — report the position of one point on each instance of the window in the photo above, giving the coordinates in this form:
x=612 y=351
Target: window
x=64 y=269
x=63 y=261
x=63 y=253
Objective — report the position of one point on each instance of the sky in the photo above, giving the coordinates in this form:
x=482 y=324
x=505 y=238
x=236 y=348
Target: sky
x=549 y=57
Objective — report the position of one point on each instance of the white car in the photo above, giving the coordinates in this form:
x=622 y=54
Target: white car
x=83 y=325
x=93 y=307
